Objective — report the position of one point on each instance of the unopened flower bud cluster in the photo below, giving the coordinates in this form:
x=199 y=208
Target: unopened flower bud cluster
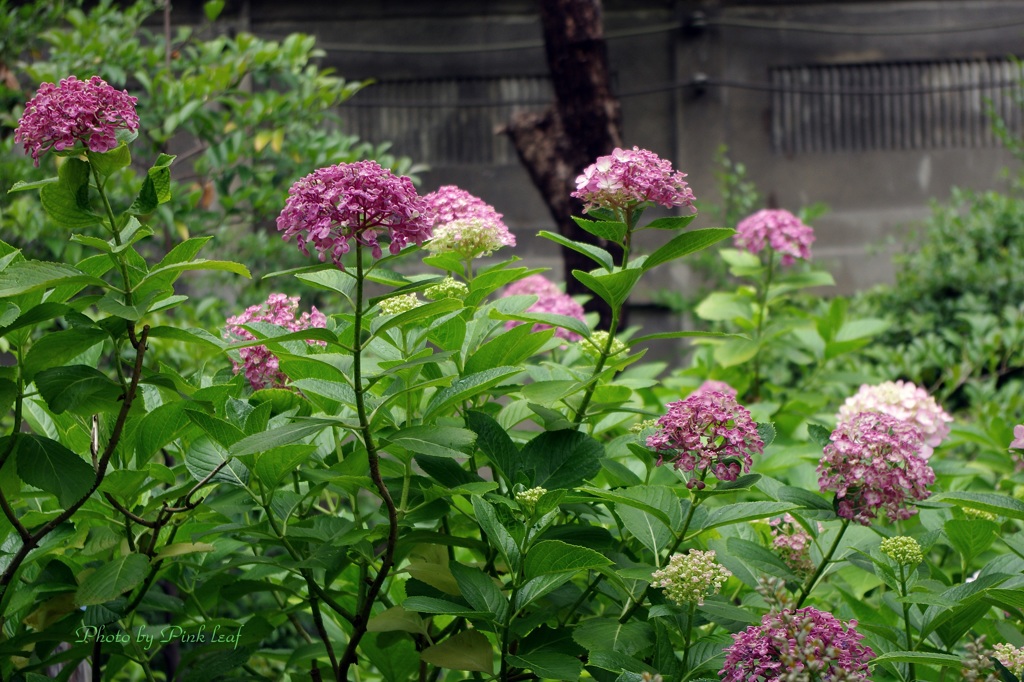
x=593 y=346
x=904 y=550
x=449 y=287
x=530 y=497
x=689 y=578
x=396 y=305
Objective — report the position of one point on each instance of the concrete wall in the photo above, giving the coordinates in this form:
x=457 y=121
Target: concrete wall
x=872 y=194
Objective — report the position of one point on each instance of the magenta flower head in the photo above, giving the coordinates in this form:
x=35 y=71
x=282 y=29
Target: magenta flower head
x=90 y=112
x=550 y=299
x=465 y=224
x=630 y=177
x=260 y=365
x=709 y=431
x=806 y=644
x=903 y=400
x=780 y=229
x=333 y=205
x=1018 y=438
x=714 y=385
x=873 y=463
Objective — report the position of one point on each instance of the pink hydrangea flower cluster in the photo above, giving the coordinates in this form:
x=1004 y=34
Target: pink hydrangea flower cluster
x=780 y=229
x=689 y=578
x=1018 y=444
x=260 y=365
x=1011 y=657
x=628 y=177
x=806 y=644
x=793 y=543
x=90 y=112
x=903 y=400
x=708 y=431
x=872 y=463
x=465 y=224
x=717 y=386
x=333 y=205
x=550 y=299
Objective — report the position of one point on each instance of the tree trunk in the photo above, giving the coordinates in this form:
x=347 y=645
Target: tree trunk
x=583 y=123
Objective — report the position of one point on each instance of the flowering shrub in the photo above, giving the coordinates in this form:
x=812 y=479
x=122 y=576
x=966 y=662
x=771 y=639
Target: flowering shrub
x=781 y=230
x=903 y=400
x=448 y=473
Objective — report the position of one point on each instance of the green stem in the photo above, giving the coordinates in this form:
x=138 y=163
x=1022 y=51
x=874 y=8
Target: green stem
x=762 y=305
x=813 y=579
x=689 y=634
x=117 y=236
x=388 y=559
x=906 y=620
x=632 y=607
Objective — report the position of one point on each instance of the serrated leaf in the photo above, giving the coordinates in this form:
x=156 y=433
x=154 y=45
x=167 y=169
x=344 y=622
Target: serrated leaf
x=479 y=590
x=654 y=533
x=184 y=548
x=397 y=619
x=970 y=537
x=495 y=443
x=156 y=188
x=436 y=441
x=721 y=307
x=467 y=387
x=990 y=502
x=292 y=432
x=601 y=634
x=562 y=459
x=273 y=465
x=766 y=432
x=466 y=650
x=605 y=229
x=497 y=534
x=112 y=580
x=508 y=348
x=51 y=467
x=594 y=253
x=819 y=434
x=549 y=665
x=25 y=276
x=78 y=389
x=612 y=287
x=685 y=244
x=735 y=352
x=555 y=556
x=924 y=658
x=110 y=161
x=205 y=456
x=561 y=321
x=57 y=348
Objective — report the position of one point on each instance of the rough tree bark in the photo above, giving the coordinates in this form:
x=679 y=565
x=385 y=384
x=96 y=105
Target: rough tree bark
x=583 y=123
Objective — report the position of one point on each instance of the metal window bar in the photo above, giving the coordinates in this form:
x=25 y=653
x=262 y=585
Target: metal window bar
x=446 y=121
x=893 y=105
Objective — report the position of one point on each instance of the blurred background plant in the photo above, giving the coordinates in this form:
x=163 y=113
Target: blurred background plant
x=246 y=117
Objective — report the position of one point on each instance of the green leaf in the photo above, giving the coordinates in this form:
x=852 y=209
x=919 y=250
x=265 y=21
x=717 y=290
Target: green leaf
x=467 y=387
x=970 y=537
x=605 y=229
x=67 y=201
x=613 y=287
x=79 y=389
x=111 y=161
x=735 y=352
x=766 y=432
x=744 y=511
x=156 y=188
x=562 y=459
x=57 y=348
x=26 y=276
x=205 y=456
x=562 y=321
x=595 y=253
x=607 y=659
x=685 y=244
x=993 y=503
x=421 y=312
x=549 y=665
x=212 y=9
x=479 y=590
x=21 y=185
x=112 y=580
x=397 y=619
x=437 y=441
x=466 y=650
x=331 y=279
x=538 y=587
x=924 y=658
x=555 y=556
x=273 y=465
x=497 y=534
x=602 y=634
x=648 y=528
x=755 y=556
x=819 y=434
x=197 y=264
x=51 y=467
x=670 y=223
x=495 y=443
x=682 y=335
x=508 y=348
x=281 y=435
x=223 y=432
x=724 y=307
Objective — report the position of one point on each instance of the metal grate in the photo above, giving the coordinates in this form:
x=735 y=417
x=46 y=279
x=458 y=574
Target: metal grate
x=449 y=121
x=901 y=105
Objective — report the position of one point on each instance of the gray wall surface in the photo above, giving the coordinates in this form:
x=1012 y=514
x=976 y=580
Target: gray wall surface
x=910 y=127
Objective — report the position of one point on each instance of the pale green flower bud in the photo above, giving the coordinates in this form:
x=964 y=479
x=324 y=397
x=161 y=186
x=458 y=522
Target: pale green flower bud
x=904 y=550
x=593 y=346
x=449 y=287
x=530 y=498
x=397 y=305
x=689 y=578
